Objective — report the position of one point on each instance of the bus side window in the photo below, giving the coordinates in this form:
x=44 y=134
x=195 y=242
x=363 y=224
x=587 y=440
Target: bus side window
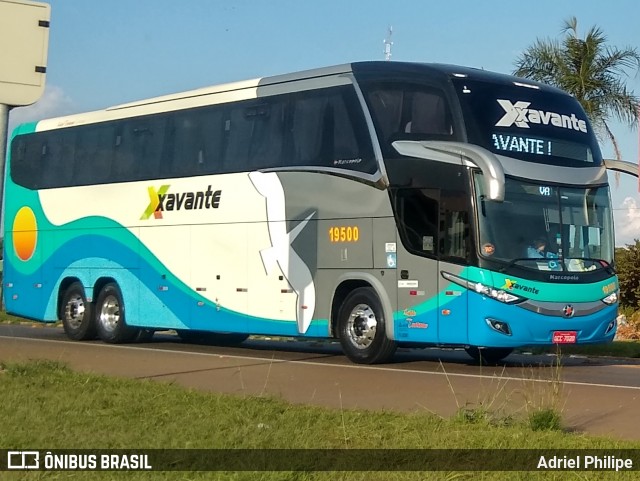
x=57 y=158
x=267 y=139
x=187 y=148
x=308 y=129
x=417 y=214
x=124 y=163
x=428 y=115
x=345 y=142
x=329 y=130
x=238 y=130
x=386 y=106
x=94 y=152
x=454 y=219
x=25 y=169
x=408 y=111
x=138 y=148
x=209 y=160
x=149 y=144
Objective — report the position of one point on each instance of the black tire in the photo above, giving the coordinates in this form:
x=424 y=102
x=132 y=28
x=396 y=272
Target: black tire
x=361 y=328
x=488 y=355
x=216 y=338
x=76 y=314
x=110 y=317
x=145 y=335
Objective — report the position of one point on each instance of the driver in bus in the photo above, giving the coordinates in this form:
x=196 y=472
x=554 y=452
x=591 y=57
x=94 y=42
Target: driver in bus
x=537 y=249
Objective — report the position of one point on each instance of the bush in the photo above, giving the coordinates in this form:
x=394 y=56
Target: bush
x=628 y=267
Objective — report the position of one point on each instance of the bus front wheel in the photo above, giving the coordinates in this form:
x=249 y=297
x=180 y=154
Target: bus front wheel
x=110 y=318
x=77 y=314
x=361 y=328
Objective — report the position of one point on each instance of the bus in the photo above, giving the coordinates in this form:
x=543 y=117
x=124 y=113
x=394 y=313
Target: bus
x=381 y=204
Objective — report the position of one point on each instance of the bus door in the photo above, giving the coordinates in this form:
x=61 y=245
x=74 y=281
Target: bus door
x=416 y=264
x=454 y=246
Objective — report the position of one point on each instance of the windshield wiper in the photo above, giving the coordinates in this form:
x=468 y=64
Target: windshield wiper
x=513 y=263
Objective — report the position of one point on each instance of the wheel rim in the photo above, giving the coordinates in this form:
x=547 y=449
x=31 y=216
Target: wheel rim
x=74 y=311
x=361 y=326
x=109 y=313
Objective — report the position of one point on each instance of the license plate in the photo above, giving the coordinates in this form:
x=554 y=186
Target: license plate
x=565 y=337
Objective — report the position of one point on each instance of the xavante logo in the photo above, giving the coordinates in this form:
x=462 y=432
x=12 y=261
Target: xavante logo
x=521 y=115
x=511 y=285
x=160 y=201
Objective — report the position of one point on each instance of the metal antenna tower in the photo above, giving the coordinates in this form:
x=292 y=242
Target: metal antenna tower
x=388 y=43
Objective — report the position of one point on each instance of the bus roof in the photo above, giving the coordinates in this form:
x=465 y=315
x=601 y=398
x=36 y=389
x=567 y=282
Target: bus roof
x=247 y=89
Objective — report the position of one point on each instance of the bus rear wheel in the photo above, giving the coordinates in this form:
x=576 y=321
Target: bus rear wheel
x=361 y=328
x=77 y=314
x=110 y=317
x=488 y=355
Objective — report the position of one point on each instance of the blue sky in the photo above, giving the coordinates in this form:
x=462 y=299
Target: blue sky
x=103 y=53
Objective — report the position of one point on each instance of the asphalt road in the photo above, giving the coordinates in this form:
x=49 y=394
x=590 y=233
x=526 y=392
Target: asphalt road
x=598 y=396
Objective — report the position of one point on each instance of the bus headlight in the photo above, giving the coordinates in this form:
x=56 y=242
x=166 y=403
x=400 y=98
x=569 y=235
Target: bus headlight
x=492 y=292
x=611 y=298
x=496 y=294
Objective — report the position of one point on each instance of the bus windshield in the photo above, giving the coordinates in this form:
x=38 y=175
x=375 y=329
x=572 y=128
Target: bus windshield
x=546 y=227
x=528 y=123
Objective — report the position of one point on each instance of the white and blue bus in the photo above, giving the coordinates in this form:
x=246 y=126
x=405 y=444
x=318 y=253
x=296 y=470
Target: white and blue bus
x=379 y=203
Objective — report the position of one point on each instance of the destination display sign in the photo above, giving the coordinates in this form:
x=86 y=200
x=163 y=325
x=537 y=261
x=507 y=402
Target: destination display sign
x=526 y=144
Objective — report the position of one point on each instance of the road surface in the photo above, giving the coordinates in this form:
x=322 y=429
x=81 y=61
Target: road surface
x=599 y=396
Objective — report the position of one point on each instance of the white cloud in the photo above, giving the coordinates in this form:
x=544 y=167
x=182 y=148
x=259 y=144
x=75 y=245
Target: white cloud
x=627 y=221
x=53 y=103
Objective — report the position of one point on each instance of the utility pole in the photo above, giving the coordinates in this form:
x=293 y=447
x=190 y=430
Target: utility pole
x=388 y=43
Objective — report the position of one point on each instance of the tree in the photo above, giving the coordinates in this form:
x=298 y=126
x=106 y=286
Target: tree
x=628 y=267
x=589 y=69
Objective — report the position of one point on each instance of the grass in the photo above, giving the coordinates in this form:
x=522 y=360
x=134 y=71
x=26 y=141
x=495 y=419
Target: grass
x=46 y=405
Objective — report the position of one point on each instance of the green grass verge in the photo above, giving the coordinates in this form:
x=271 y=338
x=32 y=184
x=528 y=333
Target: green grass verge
x=45 y=405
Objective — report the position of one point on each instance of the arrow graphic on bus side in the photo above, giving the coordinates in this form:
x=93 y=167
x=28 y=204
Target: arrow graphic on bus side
x=293 y=267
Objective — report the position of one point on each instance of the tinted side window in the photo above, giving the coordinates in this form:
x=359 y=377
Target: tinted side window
x=432 y=208
x=138 y=148
x=408 y=111
x=94 y=154
x=315 y=128
x=417 y=214
x=329 y=130
x=256 y=132
x=455 y=225
x=57 y=157
x=194 y=144
x=25 y=158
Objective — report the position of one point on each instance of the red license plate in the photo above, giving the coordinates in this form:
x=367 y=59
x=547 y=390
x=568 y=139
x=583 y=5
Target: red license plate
x=565 y=337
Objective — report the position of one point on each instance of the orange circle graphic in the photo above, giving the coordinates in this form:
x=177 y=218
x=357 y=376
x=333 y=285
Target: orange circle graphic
x=25 y=233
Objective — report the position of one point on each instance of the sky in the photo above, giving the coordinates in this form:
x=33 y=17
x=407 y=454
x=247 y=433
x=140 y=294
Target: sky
x=104 y=53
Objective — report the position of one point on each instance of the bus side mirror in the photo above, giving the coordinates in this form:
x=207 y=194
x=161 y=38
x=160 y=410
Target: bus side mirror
x=491 y=168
